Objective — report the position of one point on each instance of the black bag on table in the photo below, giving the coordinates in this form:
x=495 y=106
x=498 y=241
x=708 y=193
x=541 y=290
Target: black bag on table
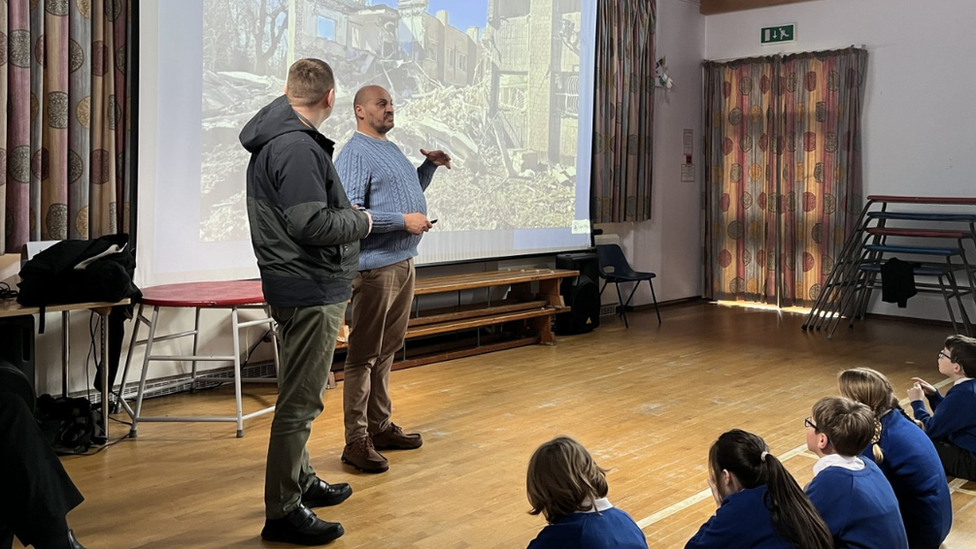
x=79 y=271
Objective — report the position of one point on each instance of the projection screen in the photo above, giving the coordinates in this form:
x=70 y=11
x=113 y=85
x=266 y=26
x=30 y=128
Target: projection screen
x=503 y=86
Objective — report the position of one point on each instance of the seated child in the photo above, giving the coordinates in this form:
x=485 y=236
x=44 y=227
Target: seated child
x=759 y=503
x=952 y=425
x=570 y=490
x=852 y=495
x=906 y=457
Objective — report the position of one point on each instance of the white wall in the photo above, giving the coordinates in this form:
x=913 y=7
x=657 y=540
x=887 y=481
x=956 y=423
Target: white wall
x=669 y=244
x=919 y=136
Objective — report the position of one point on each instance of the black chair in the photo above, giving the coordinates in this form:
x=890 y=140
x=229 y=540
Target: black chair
x=615 y=269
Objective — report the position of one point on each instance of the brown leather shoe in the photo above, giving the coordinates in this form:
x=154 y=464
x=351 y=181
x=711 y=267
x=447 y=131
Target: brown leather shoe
x=395 y=439
x=363 y=456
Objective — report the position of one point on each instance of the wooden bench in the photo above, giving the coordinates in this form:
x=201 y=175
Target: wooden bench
x=529 y=310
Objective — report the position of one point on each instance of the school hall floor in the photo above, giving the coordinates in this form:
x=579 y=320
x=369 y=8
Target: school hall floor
x=647 y=402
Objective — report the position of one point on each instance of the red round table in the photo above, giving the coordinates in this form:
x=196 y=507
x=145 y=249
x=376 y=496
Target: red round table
x=233 y=295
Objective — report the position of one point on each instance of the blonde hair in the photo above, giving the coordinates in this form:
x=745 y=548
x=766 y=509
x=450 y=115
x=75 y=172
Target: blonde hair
x=309 y=80
x=871 y=388
x=562 y=479
x=848 y=424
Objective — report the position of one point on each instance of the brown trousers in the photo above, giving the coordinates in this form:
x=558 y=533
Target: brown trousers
x=381 y=300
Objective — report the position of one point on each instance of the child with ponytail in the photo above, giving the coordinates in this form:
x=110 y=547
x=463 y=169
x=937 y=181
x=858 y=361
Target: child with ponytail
x=907 y=458
x=759 y=503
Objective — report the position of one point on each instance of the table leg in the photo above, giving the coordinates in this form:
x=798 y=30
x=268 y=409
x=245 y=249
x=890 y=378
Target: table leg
x=65 y=342
x=549 y=290
x=102 y=321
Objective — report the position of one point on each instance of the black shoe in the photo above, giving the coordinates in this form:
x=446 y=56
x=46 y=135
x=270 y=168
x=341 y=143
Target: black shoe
x=301 y=527
x=323 y=494
x=64 y=541
x=73 y=541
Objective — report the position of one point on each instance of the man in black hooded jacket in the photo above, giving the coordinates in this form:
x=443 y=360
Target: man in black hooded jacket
x=306 y=238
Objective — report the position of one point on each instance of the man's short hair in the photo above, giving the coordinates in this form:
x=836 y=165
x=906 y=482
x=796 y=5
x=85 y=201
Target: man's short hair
x=849 y=425
x=308 y=81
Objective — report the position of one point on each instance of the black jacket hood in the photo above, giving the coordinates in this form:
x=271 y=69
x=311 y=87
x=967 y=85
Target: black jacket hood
x=278 y=118
x=304 y=231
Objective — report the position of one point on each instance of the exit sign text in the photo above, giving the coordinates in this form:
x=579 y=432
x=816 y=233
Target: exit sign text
x=778 y=34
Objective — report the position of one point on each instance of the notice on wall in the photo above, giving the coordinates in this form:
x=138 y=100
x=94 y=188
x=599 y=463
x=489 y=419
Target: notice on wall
x=688 y=149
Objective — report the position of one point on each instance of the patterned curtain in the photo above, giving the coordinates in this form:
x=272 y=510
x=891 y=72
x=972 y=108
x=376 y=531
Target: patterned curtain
x=740 y=160
x=63 y=143
x=783 y=173
x=624 y=111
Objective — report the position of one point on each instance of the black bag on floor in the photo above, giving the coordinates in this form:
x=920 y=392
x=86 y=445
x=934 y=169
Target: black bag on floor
x=69 y=424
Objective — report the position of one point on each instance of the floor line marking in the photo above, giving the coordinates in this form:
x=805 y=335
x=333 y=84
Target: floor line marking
x=707 y=493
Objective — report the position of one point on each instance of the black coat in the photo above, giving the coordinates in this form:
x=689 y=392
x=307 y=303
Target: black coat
x=303 y=228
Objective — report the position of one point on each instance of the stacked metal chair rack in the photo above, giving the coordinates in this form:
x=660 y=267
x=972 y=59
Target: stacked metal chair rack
x=933 y=233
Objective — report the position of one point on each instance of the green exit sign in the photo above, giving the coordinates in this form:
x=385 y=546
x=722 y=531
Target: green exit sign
x=778 y=34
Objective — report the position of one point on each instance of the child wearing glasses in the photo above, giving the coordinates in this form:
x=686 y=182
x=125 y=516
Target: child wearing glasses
x=759 y=502
x=569 y=489
x=852 y=494
x=952 y=425
x=906 y=457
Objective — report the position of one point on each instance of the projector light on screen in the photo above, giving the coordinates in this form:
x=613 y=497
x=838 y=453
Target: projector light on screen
x=503 y=86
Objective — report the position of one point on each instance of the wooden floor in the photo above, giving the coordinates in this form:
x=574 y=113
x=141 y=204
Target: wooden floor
x=647 y=402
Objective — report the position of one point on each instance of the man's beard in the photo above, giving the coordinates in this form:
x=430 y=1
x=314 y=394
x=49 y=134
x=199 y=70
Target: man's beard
x=384 y=126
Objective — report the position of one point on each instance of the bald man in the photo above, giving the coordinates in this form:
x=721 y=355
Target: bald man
x=379 y=179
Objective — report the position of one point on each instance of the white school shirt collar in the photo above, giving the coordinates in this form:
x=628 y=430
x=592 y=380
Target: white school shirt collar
x=598 y=506
x=853 y=463
x=961 y=380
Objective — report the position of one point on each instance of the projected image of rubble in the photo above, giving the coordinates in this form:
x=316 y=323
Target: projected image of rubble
x=500 y=95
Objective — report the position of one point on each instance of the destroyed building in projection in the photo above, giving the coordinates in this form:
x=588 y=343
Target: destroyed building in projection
x=502 y=99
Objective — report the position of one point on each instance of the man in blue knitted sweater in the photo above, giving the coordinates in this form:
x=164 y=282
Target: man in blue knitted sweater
x=952 y=425
x=379 y=179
